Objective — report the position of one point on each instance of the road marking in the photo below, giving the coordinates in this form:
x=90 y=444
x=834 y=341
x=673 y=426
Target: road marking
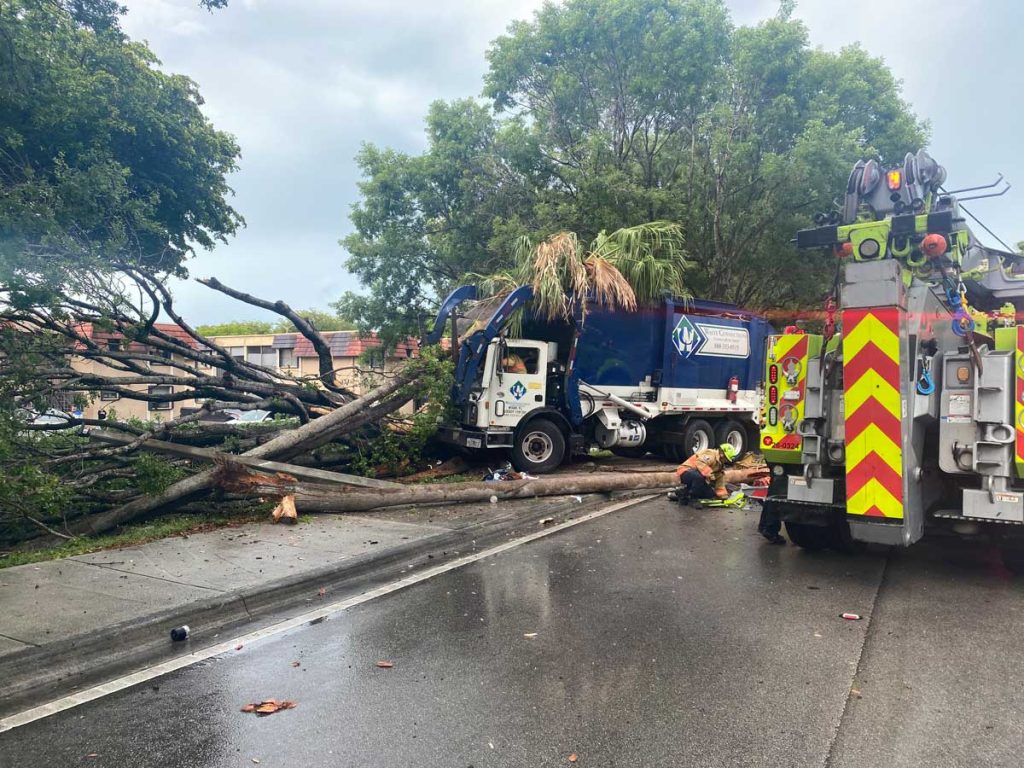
x=171 y=665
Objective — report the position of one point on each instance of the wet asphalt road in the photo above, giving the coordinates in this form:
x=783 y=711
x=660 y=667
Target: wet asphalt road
x=663 y=638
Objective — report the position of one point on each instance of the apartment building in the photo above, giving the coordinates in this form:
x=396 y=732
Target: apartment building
x=110 y=401
x=358 y=364
x=357 y=361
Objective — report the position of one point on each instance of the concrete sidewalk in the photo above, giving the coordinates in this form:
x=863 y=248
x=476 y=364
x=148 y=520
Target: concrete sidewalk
x=74 y=622
x=48 y=601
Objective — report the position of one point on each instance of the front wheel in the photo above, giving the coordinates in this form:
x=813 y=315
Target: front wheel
x=539 y=447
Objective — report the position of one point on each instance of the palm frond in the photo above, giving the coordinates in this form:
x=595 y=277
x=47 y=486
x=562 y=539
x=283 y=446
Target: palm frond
x=608 y=286
x=621 y=270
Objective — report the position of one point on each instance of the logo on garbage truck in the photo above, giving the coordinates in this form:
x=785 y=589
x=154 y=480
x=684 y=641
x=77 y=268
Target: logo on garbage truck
x=708 y=340
x=517 y=390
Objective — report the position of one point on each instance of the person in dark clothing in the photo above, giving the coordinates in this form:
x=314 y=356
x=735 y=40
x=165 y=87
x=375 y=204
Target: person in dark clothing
x=769 y=525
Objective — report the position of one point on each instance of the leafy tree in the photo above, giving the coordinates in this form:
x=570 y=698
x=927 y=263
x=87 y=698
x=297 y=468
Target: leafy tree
x=321 y=319
x=237 y=328
x=103 y=157
x=612 y=113
x=426 y=221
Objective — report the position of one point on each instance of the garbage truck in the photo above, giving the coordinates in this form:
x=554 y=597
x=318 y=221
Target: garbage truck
x=672 y=379
x=907 y=412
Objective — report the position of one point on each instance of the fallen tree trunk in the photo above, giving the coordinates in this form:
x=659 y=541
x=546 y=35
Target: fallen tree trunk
x=374 y=405
x=323 y=499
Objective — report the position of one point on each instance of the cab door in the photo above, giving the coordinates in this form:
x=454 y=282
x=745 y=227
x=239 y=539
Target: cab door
x=519 y=381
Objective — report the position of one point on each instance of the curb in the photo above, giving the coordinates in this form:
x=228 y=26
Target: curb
x=33 y=675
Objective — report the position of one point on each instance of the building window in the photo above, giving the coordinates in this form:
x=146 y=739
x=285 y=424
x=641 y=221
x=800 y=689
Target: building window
x=287 y=359
x=375 y=359
x=161 y=390
x=114 y=345
x=107 y=395
x=236 y=352
x=265 y=356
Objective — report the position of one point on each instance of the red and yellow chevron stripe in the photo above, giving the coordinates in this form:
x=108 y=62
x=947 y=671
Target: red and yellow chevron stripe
x=873 y=412
x=1019 y=406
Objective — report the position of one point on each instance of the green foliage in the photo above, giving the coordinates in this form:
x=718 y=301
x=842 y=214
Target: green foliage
x=154 y=474
x=320 y=319
x=611 y=113
x=426 y=221
x=27 y=490
x=237 y=328
x=400 y=449
x=103 y=157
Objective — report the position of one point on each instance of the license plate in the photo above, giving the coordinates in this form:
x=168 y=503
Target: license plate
x=474 y=442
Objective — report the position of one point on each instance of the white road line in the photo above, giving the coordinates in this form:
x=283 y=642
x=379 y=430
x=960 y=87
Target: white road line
x=113 y=686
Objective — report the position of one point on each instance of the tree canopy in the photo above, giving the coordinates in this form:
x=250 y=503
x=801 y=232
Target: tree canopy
x=320 y=319
x=104 y=158
x=606 y=114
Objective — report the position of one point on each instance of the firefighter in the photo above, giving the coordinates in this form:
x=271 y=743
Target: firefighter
x=702 y=476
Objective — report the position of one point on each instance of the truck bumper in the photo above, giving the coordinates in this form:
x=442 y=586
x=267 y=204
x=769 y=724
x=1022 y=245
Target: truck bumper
x=467 y=437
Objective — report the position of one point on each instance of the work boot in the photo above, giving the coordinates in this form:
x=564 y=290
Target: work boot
x=773 y=538
x=672 y=496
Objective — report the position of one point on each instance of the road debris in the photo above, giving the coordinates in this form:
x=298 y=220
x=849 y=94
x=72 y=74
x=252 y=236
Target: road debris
x=530 y=634
x=573 y=757
x=855 y=692
x=296 y=663
x=268 y=707
x=547 y=521
x=179 y=633
x=285 y=511
x=385 y=664
x=851 y=616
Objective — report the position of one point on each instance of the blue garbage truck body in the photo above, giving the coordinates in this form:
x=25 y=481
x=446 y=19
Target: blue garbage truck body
x=669 y=379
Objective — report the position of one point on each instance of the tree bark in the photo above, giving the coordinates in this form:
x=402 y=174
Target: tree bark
x=311 y=499
x=307 y=437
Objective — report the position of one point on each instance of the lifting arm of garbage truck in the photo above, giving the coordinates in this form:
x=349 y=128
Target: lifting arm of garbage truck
x=474 y=349
x=456 y=297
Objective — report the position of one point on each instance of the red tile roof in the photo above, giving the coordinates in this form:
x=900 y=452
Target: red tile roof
x=350 y=344
x=101 y=337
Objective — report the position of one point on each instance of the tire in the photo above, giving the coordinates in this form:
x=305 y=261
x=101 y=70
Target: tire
x=810 y=537
x=630 y=453
x=697 y=436
x=539 y=447
x=734 y=433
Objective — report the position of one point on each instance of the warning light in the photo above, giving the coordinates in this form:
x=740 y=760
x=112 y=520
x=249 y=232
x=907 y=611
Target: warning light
x=773 y=395
x=773 y=416
x=773 y=374
x=894 y=179
x=963 y=374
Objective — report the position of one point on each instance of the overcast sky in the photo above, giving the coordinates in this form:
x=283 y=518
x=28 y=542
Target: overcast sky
x=302 y=84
